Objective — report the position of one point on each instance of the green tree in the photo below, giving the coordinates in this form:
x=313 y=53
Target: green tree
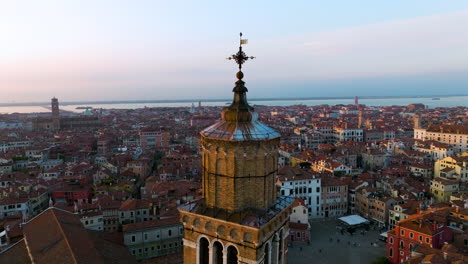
x=339 y=173
x=305 y=165
x=382 y=260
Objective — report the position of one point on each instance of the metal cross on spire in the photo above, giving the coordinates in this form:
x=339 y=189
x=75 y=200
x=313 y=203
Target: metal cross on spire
x=240 y=56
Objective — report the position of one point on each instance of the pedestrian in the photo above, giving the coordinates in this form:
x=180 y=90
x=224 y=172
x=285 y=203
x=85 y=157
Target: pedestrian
x=300 y=248
x=320 y=250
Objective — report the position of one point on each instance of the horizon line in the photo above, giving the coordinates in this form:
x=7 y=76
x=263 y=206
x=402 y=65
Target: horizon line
x=223 y=100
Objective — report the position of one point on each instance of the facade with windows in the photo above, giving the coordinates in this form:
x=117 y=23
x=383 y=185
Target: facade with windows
x=153 y=138
x=454 y=135
x=93 y=221
x=334 y=197
x=442 y=188
x=419 y=229
x=154 y=238
x=12 y=206
x=348 y=134
x=452 y=167
x=402 y=211
x=297 y=182
x=299 y=226
x=134 y=211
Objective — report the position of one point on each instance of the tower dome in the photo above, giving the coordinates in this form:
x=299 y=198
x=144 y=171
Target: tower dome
x=239 y=121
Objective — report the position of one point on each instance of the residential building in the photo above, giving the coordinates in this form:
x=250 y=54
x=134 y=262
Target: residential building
x=71 y=193
x=154 y=238
x=353 y=188
x=93 y=221
x=328 y=165
x=438 y=150
x=343 y=133
x=303 y=183
x=334 y=196
x=154 y=138
x=443 y=188
x=135 y=211
x=454 y=135
x=12 y=205
x=452 y=167
x=422 y=170
x=374 y=204
x=417 y=229
x=402 y=211
x=299 y=226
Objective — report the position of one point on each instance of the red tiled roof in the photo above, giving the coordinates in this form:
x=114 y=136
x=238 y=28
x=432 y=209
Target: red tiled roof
x=134 y=204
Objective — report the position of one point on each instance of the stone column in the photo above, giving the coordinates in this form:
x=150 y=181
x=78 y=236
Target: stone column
x=225 y=252
x=210 y=254
x=275 y=249
x=281 y=250
x=197 y=253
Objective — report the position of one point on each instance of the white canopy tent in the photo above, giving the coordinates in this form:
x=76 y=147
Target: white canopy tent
x=353 y=220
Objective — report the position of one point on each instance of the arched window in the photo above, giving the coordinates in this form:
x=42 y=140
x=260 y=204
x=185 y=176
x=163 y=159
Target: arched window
x=391 y=240
x=402 y=244
x=203 y=251
x=217 y=253
x=390 y=253
x=231 y=255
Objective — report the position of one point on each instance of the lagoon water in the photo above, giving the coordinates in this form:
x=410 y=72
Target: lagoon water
x=450 y=101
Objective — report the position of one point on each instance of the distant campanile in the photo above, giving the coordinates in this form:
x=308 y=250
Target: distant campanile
x=240 y=218
x=55 y=113
x=356 y=100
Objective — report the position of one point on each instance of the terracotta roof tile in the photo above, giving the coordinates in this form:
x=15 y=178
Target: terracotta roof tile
x=17 y=254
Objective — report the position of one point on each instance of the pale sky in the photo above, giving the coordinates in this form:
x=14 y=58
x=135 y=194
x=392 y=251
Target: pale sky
x=86 y=50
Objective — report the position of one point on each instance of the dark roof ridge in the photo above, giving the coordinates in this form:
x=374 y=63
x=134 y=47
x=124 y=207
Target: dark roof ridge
x=47 y=209
x=12 y=245
x=63 y=233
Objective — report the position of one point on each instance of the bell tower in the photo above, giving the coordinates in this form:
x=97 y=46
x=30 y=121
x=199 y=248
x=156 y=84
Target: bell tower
x=240 y=218
x=55 y=113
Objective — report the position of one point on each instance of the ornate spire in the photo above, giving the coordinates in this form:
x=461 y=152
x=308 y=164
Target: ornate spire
x=240 y=57
x=239 y=110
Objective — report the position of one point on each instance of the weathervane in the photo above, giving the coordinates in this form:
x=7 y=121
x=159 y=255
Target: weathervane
x=240 y=56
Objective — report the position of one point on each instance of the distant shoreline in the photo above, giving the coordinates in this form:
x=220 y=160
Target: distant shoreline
x=219 y=100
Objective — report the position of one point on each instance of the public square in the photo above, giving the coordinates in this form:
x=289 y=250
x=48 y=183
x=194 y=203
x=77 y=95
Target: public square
x=323 y=251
